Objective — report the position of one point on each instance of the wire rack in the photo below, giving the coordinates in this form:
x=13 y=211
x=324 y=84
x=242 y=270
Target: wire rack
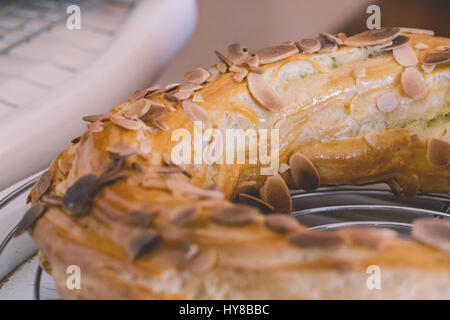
x=373 y=205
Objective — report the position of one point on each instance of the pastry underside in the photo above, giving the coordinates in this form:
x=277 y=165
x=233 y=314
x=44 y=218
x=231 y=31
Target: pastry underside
x=141 y=227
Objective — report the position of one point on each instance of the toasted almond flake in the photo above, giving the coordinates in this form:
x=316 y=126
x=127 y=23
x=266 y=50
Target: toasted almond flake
x=139 y=94
x=428 y=67
x=151 y=90
x=359 y=71
x=29 y=219
x=237 y=215
x=284 y=167
x=374 y=238
x=213 y=73
x=199 y=76
x=303 y=171
x=121 y=150
x=42 y=185
x=236 y=54
x=434 y=58
x=400 y=41
x=380 y=46
x=161 y=124
x=332 y=38
x=258 y=70
x=183 y=94
x=327 y=46
x=438 y=152
x=195 y=112
x=64 y=165
x=170 y=97
x=372 y=37
x=433 y=232
x=387 y=102
x=255 y=202
x=137 y=109
x=253 y=60
x=341 y=36
x=421 y=46
x=221 y=67
x=413 y=83
x=191 y=86
x=95 y=127
x=203 y=261
x=156 y=111
x=309 y=45
x=282 y=223
x=263 y=93
x=372 y=140
x=77 y=199
x=275 y=53
x=126 y=123
x=143 y=243
x=97 y=117
x=321 y=239
x=224 y=59
x=171 y=87
x=405 y=56
x=417 y=31
x=445 y=47
x=276 y=193
x=240 y=73
x=197 y=97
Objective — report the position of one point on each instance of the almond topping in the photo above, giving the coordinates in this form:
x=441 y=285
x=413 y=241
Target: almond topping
x=263 y=93
x=121 y=150
x=374 y=238
x=161 y=125
x=253 y=60
x=304 y=173
x=255 y=202
x=137 y=109
x=42 y=185
x=322 y=239
x=421 y=46
x=213 y=73
x=236 y=54
x=275 y=53
x=282 y=223
x=202 y=261
x=309 y=45
x=195 y=112
x=240 y=73
x=359 y=71
x=413 y=83
x=171 y=87
x=77 y=199
x=438 y=152
x=405 y=56
x=95 y=127
x=396 y=43
x=126 y=123
x=224 y=59
x=276 y=193
x=97 y=117
x=197 y=98
x=387 y=102
x=327 y=46
x=199 y=76
x=434 y=232
x=372 y=37
x=428 y=67
x=237 y=215
x=434 y=58
x=183 y=94
x=332 y=38
x=417 y=31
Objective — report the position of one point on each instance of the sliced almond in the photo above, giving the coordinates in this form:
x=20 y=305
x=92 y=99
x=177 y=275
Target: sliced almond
x=282 y=223
x=372 y=37
x=413 y=83
x=275 y=53
x=77 y=199
x=213 y=73
x=237 y=215
x=421 y=46
x=417 y=31
x=29 y=219
x=197 y=97
x=276 y=192
x=257 y=70
x=126 y=123
x=224 y=59
x=222 y=67
x=143 y=243
x=387 y=102
x=139 y=94
x=97 y=117
x=373 y=238
x=434 y=58
x=195 y=112
x=255 y=202
x=327 y=46
x=332 y=38
x=380 y=46
x=42 y=185
x=199 y=76
x=137 y=109
x=438 y=152
x=359 y=71
x=405 y=56
x=400 y=41
x=428 y=67
x=321 y=239
x=171 y=87
x=342 y=36
x=253 y=60
x=372 y=140
x=161 y=124
x=240 y=73
x=203 y=261
x=183 y=94
x=121 y=150
x=309 y=45
x=95 y=127
x=191 y=86
x=156 y=111
x=433 y=232
x=170 y=97
x=304 y=173
x=264 y=93
x=237 y=54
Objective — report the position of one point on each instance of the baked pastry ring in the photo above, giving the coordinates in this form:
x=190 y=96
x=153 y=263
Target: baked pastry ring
x=372 y=107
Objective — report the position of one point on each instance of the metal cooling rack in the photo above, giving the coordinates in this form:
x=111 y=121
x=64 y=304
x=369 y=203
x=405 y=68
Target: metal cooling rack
x=373 y=205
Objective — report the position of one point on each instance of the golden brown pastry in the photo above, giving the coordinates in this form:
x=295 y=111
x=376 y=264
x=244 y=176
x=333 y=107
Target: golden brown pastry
x=367 y=108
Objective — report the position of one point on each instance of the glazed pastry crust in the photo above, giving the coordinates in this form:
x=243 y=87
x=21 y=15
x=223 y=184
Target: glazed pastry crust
x=329 y=116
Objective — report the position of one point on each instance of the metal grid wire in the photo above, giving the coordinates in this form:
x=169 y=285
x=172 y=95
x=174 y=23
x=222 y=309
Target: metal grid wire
x=369 y=205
